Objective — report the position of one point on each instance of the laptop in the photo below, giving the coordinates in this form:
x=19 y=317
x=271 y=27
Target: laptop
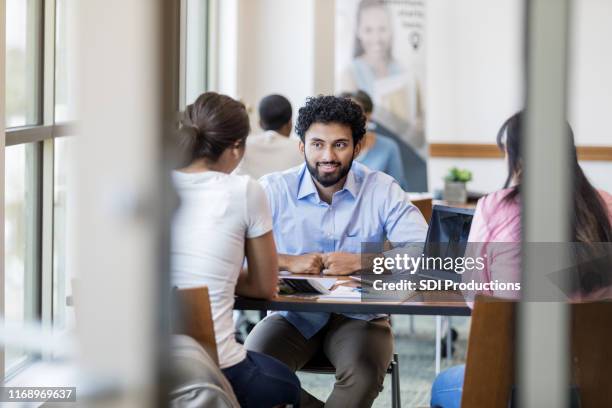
x=447 y=237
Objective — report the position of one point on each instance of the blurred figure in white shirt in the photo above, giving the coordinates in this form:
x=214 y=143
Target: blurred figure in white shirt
x=273 y=150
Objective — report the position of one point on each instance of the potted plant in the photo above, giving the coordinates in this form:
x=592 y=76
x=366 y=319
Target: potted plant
x=454 y=185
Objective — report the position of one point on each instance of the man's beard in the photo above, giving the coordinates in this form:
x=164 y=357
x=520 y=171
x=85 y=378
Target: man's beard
x=328 y=179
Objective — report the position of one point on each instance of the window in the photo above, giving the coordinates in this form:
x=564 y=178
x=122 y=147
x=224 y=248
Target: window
x=63 y=75
x=37 y=94
x=61 y=277
x=21 y=283
x=196 y=56
x=23 y=62
x=64 y=111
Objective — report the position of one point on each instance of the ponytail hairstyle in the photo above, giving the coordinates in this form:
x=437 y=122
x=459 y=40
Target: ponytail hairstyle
x=590 y=219
x=213 y=123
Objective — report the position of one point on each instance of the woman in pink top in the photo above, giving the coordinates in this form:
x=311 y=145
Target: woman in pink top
x=496 y=234
x=496 y=226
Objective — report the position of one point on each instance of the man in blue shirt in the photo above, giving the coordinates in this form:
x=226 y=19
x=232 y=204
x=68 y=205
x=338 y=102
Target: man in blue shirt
x=322 y=212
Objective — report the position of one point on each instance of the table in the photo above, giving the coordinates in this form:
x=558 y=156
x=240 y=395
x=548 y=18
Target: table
x=471 y=205
x=417 y=303
x=414 y=305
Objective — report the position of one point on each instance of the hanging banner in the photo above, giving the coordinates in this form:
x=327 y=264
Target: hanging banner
x=380 y=49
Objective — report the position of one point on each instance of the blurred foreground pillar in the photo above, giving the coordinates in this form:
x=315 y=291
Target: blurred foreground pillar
x=542 y=375
x=126 y=101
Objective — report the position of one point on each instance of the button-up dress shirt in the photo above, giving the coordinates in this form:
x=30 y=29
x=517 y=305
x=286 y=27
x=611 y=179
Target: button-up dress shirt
x=371 y=207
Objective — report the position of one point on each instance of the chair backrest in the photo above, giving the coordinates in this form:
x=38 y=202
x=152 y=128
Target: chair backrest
x=195 y=318
x=489 y=368
x=489 y=371
x=424 y=205
x=592 y=353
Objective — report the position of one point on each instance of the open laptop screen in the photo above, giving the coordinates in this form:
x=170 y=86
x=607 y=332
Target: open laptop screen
x=447 y=237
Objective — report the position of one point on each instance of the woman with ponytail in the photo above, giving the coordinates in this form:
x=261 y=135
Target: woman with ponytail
x=223 y=219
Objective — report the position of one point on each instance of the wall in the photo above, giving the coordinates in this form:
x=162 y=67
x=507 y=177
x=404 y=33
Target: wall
x=225 y=53
x=278 y=50
x=590 y=72
x=475 y=81
x=474 y=70
x=276 y=40
x=590 y=86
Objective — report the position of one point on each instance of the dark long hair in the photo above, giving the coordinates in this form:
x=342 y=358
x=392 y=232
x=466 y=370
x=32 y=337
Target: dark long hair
x=591 y=221
x=364 y=5
x=211 y=124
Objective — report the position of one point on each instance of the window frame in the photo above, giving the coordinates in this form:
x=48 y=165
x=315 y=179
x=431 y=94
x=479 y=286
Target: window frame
x=41 y=172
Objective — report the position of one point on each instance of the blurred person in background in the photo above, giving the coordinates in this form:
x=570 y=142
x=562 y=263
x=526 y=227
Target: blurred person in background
x=274 y=149
x=378 y=152
x=222 y=219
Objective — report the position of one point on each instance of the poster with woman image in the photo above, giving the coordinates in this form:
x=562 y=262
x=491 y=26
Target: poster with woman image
x=380 y=50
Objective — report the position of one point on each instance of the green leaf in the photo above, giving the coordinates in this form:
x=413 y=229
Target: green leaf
x=454 y=174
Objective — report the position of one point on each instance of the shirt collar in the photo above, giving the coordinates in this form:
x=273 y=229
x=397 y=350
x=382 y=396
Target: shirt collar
x=307 y=186
x=272 y=133
x=351 y=183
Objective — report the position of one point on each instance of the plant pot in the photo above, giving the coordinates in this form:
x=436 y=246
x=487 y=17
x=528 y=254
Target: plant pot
x=455 y=191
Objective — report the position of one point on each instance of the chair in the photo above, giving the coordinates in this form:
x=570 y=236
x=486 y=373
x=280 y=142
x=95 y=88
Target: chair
x=489 y=369
x=320 y=364
x=591 y=329
x=425 y=205
x=197 y=380
x=195 y=318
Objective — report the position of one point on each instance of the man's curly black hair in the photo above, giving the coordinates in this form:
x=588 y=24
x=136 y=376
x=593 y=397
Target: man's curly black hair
x=331 y=109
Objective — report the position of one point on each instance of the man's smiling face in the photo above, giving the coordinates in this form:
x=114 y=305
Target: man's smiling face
x=329 y=152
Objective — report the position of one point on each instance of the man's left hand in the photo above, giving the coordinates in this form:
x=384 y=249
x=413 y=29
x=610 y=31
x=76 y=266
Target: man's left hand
x=341 y=263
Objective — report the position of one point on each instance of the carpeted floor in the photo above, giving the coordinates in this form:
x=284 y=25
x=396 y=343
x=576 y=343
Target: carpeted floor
x=416 y=359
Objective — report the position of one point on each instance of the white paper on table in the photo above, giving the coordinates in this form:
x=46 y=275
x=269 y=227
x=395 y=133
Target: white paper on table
x=342 y=293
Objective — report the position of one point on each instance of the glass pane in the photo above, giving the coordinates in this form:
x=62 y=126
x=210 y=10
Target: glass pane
x=20 y=251
x=23 y=59
x=197 y=26
x=61 y=277
x=64 y=69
